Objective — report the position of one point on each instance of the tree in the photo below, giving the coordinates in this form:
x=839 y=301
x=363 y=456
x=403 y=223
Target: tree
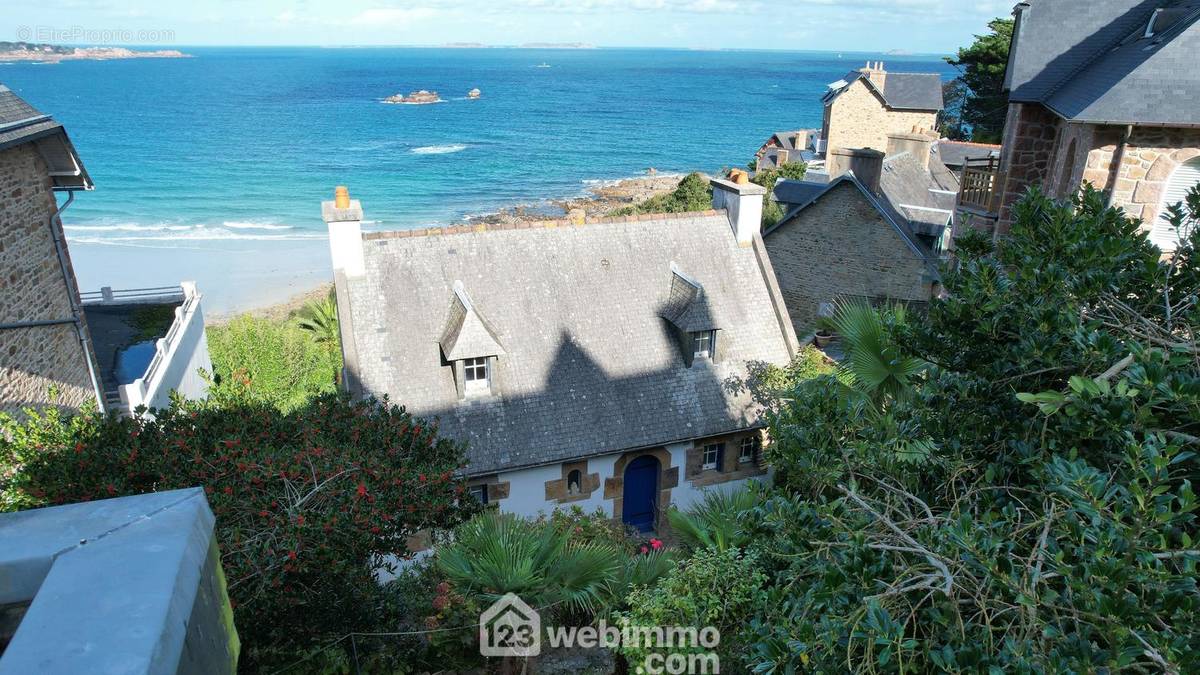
x=772 y=211
x=950 y=118
x=982 y=66
x=310 y=504
x=1022 y=503
x=692 y=194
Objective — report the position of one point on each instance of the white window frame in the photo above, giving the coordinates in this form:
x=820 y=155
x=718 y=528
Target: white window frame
x=715 y=450
x=471 y=381
x=1181 y=180
x=707 y=336
x=748 y=443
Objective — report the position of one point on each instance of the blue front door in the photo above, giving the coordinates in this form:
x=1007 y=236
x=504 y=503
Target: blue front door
x=641 y=493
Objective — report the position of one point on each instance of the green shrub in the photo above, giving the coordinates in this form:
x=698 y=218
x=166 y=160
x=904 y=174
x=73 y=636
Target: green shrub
x=308 y=503
x=718 y=589
x=1021 y=502
x=273 y=362
x=692 y=194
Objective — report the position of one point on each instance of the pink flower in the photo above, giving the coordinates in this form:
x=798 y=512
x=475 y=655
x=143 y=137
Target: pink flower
x=645 y=550
x=656 y=544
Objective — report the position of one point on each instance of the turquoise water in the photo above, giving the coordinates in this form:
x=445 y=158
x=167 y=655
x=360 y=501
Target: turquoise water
x=204 y=166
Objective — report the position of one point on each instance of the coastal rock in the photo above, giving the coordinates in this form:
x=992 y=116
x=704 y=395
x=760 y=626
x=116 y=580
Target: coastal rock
x=474 y=93
x=47 y=53
x=421 y=97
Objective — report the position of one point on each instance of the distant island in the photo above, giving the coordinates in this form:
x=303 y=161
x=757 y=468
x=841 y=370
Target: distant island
x=421 y=97
x=898 y=52
x=557 y=45
x=47 y=53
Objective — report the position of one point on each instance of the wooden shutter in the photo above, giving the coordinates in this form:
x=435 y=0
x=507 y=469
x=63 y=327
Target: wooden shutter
x=1186 y=176
x=721 y=457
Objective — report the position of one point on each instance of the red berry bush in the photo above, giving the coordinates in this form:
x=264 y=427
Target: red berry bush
x=309 y=504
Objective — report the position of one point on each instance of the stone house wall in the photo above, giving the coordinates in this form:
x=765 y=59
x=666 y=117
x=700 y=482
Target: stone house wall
x=38 y=360
x=1150 y=157
x=842 y=246
x=858 y=119
x=1042 y=148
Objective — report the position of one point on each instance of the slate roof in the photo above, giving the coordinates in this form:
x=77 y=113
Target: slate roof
x=1091 y=61
x=590 y=364
x=796 y=192
x=21 y=123
x=917 y=195
x=901 y=91
x=957 y=153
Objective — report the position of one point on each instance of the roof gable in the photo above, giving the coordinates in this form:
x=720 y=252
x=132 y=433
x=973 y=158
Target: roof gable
x=21 y=123
x=467 y=335
x=1092 y=60
x=901 y=91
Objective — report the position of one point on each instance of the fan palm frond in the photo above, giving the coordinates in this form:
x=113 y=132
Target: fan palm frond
x=716 y=521
x=873 y=365
x=320 y=320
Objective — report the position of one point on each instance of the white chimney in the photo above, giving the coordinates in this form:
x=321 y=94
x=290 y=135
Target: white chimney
x=743 y=201
x=343 y=216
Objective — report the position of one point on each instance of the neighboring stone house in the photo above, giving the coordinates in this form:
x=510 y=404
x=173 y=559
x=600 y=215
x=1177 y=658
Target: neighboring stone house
x=1104 y=92
x=58 y=346
x=844 y=239
x=866 y=105
x=45 y=352
x=785 y=147
x=583 y=363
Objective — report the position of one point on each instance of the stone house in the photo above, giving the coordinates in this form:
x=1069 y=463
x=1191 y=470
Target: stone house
x=58 y=346
x=785 y=147
x=847 y=238
x=1103 y=92
x=866 y=105
x=45 y=349
x=591 y=363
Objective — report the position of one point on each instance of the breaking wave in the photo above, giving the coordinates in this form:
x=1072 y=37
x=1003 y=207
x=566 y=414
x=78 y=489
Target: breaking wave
x=438 y=149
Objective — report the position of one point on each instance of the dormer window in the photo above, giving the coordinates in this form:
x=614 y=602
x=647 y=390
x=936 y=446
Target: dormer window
x=475 y=374
x=703 y=343
x=688 y=311
x=470 y=346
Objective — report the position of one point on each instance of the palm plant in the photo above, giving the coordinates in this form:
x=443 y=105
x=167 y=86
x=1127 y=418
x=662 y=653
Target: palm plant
x=497 y=553
x=638 y=570
x=874 y=365
x=319 y=319
x=716 y=522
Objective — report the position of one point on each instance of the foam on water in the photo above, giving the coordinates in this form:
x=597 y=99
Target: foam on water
x=438 y=149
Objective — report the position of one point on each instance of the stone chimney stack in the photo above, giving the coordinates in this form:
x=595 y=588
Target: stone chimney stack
x=343 y=216
x=875 y=73
x=917 y=144
x=866 y=165
x=743 y=201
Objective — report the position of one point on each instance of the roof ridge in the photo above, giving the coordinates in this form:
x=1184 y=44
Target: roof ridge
x=534 y=225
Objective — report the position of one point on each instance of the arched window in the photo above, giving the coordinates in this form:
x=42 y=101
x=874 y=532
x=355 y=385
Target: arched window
x=1184 y=178
x=574 y=482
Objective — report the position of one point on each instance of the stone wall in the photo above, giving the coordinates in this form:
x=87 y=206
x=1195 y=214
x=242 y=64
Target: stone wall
x=1041 y=148
x=1151 y=156
x=1031 y=134
x=34 y=362
x=858 y=119
x=842 y=246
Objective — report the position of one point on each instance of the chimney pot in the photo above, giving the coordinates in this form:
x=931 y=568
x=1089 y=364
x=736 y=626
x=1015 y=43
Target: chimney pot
x=739 y=176
x=341 y=197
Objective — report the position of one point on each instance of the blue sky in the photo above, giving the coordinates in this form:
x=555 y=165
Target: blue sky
x=933 y=26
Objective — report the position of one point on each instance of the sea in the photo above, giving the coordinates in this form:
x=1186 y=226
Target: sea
x=212 y=168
